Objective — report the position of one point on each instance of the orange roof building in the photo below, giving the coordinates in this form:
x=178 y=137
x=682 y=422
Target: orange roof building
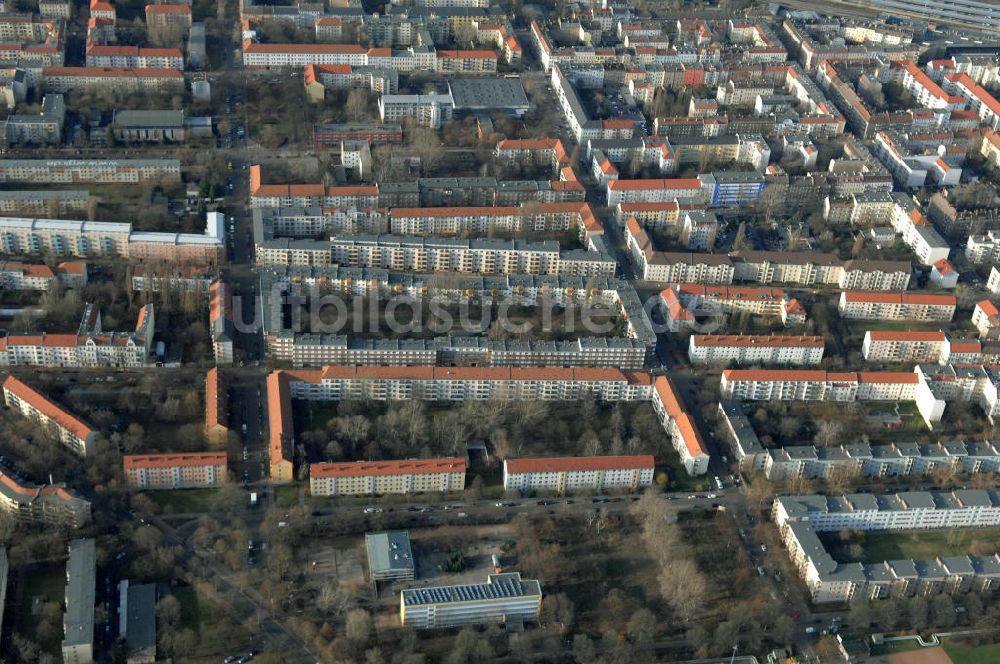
x=382 y=477
x=562 y=474
x=62 y=425
x=51 y=504
x=216 y=408
x=175 y=471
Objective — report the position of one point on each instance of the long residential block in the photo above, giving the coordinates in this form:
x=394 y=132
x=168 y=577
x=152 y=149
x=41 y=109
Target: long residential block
x=755 y=349
x=561 y=474
x=800 y=519
x=65 y=427
x=919 y=307
x=380 y=477
x=175 y=471
x=80 y=598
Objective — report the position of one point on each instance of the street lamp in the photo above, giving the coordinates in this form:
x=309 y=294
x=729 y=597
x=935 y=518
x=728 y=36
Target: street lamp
x=733 y=657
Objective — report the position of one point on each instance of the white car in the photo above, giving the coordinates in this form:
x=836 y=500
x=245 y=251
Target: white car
x=370 y=510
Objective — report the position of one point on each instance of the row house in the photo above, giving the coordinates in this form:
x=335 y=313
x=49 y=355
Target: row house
x=45 y=202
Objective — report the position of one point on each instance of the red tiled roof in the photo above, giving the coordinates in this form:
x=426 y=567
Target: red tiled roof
x=369 y=468
x=903 y=335
x=655 y=183
x=37 y=401
x=578 y=464
x=130 y=461
x=770 y=340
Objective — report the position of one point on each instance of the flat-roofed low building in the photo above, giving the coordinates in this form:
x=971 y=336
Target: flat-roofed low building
x=80 y=599
x=140 y=624
x=594 y=473
x=65 y=427
x=149 y=126
x=504 y=598
x=919 y=307
x=50 y=504
x=175 y=471
x=378 y=477
x=390 y=557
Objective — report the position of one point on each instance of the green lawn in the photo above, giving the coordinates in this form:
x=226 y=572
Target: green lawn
x=183 y=501
x=964 y=654
x=195 y=611
x=925 y=545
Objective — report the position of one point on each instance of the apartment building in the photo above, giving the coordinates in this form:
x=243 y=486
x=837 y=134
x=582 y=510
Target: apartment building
x=101 y=56
x=329 y=135
x=763 y=267
x=175 y=471
x=49 y=504
x=382 y=477
x=216 y=408
x=97 y=171
x=562 y=474
x=899 y=459
x=503 y=599
x=45 y=202
x=539 y=217
x=80 y=600
x=904 y=346
x=818 y=385
x=429 y=110
x=112 y=79
x=334 y=383
x=976 y=97
x=983 y=248
x=801 y=518
x=986 y=319
x=658 y=190
x=919 y=307
x=41 y=277
x=755 y=349
x=44 y=127
x=168 y=23
x=536 y=152
x=90 y=346
x=181 y=279
x=220 y=321
x=679 y=425
x=54 y=420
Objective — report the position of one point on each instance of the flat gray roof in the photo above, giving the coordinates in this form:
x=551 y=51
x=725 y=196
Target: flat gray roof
x=81 y=571
x=486 y=93
x=140 y=631
x=389 y=551
x=165 y=119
